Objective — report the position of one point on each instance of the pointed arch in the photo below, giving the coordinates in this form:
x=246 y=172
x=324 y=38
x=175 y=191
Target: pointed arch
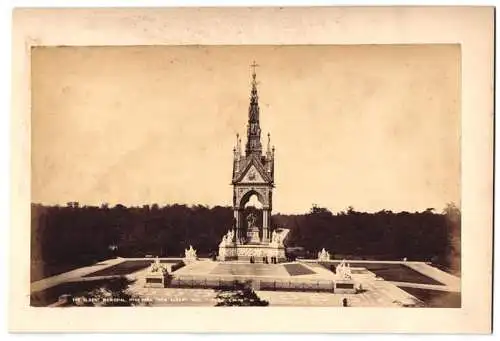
x=246 y=197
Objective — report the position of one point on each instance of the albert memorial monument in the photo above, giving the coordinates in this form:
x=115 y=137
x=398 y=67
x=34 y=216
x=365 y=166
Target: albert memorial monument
x=253 y=174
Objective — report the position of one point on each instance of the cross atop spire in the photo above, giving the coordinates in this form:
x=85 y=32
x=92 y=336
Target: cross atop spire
x=254 y=97
x=253 y=66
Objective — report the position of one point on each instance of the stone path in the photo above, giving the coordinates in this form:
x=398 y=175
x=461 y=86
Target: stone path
x=197 y=268
x=387 y=292
x=206 y=297
x=174 y=297
x=298 y=299
x=381 y=294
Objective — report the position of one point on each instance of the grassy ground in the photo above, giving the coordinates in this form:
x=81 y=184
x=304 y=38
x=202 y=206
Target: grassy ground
x=41 y=270
x=391 y=272
x=124 y=268
x=297 y=269
x=435 y=298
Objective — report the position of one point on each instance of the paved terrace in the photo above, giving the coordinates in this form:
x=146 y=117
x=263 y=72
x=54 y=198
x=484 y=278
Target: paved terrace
x=377 y=293
x=287 y=271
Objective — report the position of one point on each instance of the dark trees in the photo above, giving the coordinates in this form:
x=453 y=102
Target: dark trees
x=76 y=235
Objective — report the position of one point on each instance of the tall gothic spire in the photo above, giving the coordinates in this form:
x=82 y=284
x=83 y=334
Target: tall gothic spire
x=268 y=150
x=253 y=145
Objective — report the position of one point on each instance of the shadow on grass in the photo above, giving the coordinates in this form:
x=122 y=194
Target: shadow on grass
x=435 y=298
x=103 y=292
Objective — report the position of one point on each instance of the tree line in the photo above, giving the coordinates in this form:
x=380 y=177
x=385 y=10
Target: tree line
x=74 y=235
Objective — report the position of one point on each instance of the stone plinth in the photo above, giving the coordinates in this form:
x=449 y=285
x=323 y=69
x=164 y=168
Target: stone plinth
x=231 y=249
x=344 y=283
x=345 y=287
x=253 y=235
x=257 y=251
x=157 y=275
x=156 y=280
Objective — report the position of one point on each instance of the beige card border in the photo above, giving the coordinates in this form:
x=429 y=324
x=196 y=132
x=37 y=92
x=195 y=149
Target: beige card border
x=472 y=27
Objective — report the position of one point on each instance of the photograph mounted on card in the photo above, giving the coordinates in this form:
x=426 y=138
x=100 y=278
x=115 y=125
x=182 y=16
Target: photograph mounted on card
x=201 y=171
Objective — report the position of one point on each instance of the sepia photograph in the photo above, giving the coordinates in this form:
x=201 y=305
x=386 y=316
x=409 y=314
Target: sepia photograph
x=265 y=175
x=310 y=176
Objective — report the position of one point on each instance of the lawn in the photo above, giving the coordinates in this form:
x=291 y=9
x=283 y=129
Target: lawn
x=391 y=272
x=435 y=298
x=295 y=269
x=124 y=268
x=41 y=270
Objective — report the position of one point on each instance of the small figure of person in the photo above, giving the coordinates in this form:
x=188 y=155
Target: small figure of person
x=345 y=303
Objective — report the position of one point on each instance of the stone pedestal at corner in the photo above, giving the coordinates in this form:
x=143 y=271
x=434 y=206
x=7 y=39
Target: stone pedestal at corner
x=345 y=287
x=344 y=284
x=156 y=280
x=157 y=275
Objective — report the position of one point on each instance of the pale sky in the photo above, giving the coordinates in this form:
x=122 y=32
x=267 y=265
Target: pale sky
x=373 y=127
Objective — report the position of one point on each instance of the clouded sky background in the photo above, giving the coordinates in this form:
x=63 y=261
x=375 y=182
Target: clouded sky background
x=373 y=127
